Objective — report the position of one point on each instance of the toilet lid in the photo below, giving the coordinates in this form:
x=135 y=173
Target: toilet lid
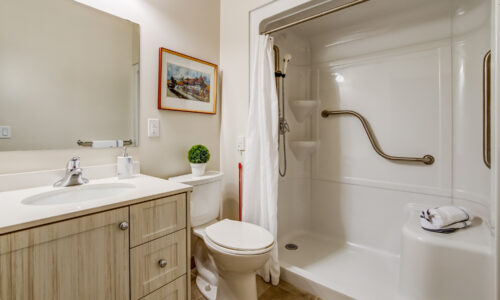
x=239 y=235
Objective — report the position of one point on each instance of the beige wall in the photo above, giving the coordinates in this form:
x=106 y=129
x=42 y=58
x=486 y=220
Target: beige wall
x=189 y=26
x=166 y=23
x=234 y=63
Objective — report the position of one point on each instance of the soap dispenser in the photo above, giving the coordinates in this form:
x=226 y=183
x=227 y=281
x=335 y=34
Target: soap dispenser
x=124 y=165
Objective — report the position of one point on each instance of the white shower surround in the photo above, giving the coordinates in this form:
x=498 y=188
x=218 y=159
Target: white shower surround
x=346 y=204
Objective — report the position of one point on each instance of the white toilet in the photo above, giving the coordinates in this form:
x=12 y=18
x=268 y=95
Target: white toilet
x=227 y=253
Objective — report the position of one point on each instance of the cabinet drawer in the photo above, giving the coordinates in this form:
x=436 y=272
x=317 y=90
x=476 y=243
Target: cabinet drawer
x=176 y=290
x=146 y=272
x=154 y=219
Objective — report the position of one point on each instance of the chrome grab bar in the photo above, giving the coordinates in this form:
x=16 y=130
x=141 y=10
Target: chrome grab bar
x=487 y=109
x=426 y=159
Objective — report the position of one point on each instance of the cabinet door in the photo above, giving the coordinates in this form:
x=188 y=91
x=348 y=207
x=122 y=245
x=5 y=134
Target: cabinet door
x=82 y=258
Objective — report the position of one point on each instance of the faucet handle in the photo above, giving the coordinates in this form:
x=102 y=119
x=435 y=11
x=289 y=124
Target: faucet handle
x=73 y=163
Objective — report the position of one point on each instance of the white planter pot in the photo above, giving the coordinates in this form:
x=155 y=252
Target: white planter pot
x=198 y=169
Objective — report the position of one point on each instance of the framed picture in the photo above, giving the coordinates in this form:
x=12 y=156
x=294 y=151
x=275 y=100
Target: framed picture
x=186 y=83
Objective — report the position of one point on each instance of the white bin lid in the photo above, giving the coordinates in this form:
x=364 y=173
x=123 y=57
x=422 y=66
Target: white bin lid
x=236 y=235
x=208 y=177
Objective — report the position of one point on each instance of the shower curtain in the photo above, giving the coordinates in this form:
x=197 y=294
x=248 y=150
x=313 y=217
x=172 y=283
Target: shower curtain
x=260 y=172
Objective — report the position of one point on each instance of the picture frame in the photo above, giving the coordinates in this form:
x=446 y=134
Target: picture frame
x=186 y=83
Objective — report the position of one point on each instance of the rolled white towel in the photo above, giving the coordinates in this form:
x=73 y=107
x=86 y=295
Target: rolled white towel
x=447 y=229
x=445 y=218
x=107 y=143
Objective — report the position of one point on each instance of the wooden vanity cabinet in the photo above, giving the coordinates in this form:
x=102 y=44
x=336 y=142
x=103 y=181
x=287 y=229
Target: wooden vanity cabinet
x=82 y=258
x=92 y=257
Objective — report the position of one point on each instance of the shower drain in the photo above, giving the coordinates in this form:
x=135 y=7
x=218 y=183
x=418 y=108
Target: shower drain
x=291 y=247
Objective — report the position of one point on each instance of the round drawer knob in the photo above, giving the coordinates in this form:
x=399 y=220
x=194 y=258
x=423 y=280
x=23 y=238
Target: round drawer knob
x=123 y=225
x=162 y=263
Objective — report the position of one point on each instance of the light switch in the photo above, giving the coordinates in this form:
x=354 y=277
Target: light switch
x=240 y=143
x=153 y=127
x=5 y=132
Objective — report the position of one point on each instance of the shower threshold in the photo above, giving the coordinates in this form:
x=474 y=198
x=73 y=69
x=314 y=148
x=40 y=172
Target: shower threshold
x=335 y=270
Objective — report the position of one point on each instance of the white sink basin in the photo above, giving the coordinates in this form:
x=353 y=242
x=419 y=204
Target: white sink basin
x=79 y=194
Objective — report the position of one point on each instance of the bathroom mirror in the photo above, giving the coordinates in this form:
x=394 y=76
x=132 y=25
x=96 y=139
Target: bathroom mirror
x=68 y=72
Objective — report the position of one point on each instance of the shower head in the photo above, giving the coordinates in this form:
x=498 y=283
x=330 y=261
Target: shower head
x=286 y=59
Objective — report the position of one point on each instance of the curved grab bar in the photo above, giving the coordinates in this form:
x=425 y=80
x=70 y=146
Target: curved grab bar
x=426 y=159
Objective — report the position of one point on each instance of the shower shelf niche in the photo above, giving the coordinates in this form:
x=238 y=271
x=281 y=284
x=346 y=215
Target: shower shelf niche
x=302 y=109
x=303 y=149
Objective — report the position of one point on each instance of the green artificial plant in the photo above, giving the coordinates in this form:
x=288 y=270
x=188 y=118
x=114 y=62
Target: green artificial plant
x=198 y=154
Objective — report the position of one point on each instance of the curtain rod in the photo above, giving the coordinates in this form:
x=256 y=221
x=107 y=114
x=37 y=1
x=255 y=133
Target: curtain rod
x=321 y=14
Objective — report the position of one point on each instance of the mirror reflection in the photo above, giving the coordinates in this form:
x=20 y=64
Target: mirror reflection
x=68 y=72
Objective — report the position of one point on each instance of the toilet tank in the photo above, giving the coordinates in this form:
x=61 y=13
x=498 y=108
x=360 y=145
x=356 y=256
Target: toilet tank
x=206 y=196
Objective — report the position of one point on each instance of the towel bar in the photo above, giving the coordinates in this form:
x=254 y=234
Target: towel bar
x=90 y=143
x=426 y=159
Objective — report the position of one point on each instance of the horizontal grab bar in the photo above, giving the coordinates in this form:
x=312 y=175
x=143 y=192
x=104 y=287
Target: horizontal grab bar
x=426 y=159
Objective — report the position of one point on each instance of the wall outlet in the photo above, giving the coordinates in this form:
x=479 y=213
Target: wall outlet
x=240 y=143
x=153 y=127
x=5 y=132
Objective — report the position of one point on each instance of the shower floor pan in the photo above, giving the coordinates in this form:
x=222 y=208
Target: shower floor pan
x=335 y=270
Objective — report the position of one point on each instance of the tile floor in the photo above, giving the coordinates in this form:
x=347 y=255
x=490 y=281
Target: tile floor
x=265 y=291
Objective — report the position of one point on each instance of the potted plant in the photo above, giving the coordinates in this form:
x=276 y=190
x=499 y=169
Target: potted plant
x=198 y=156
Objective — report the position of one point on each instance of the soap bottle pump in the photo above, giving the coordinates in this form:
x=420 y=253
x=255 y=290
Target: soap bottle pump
x=124 y=165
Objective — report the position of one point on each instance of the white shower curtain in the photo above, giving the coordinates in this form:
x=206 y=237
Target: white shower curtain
x=260 y=172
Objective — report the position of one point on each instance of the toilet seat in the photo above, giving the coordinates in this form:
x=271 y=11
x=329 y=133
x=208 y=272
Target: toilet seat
x=227 y=251
x=238 y=238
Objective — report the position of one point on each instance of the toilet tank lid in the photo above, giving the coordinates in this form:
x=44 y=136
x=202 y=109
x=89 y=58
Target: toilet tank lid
x=208 y=177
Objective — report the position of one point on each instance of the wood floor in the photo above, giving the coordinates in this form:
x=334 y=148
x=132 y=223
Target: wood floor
x=265 y=291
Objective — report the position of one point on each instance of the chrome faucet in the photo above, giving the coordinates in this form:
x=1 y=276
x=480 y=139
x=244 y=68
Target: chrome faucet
x=74 y=174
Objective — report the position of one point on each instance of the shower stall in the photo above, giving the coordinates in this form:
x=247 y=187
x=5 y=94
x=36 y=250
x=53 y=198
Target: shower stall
x=388 y=105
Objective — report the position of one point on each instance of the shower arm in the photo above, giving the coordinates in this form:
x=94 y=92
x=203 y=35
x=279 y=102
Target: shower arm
x=426 y=159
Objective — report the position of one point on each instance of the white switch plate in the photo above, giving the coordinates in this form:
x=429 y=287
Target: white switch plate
x=240 y=143
x=153 y=127
x=5 y=132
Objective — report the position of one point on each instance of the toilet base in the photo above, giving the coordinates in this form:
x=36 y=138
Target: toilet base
x=241 y=286
x=206 y=289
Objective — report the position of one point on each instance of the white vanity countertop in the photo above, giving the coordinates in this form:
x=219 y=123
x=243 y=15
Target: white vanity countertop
x=14 y=215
